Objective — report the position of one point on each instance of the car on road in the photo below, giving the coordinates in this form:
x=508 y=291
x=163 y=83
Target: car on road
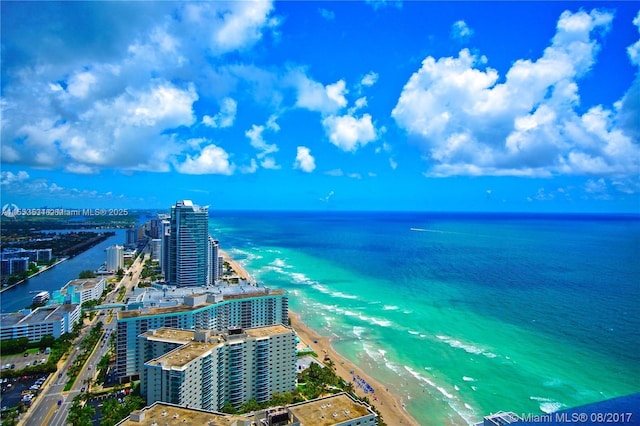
x=82 y=390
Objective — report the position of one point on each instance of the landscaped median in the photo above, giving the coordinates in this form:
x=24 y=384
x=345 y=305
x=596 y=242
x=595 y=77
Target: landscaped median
x=86 y=347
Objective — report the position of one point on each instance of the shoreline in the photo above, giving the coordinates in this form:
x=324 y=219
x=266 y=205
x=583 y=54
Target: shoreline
x=389 y=405
x=46 y=268
x=240 y=271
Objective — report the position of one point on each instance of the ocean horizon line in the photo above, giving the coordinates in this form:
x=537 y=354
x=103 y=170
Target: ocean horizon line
x=455 y=214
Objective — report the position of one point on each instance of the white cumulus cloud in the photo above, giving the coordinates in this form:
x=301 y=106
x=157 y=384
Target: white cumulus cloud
x=315 y=96
x=121 y=101
x=461 y=31
x=304 y=160
x=270 y=163
x=349 y=133
x=257 y=141
x=634 y=50
x=369 y=79
x=230 y=25
x=469 y=123
x=211 y=160
x=9 y=178
x=225 y=117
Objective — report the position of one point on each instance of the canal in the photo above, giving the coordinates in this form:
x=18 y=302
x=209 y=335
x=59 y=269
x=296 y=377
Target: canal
x=19 y=297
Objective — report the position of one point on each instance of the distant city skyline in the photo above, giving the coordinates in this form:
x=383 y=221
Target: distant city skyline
x=421 y=106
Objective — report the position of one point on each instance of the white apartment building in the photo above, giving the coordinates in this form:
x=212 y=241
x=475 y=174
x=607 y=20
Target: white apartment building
x=86 y=289
x=115 y=258
x=209 y=370
x=51 y=320
x=205 y=311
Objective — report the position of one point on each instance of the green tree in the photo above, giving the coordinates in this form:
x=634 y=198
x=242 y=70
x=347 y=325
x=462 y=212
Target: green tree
x=80 y=415
x=86 y=274
x=250 y=405
x=14 y=346
x=110 y=412
x=228 y=408
x=47 y=342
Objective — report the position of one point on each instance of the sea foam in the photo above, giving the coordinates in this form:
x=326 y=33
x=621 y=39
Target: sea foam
x=547 y=405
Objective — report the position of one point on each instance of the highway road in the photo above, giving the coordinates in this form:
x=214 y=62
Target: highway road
x=45 y=410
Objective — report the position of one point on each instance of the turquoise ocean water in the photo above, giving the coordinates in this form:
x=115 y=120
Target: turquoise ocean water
x=461 y=315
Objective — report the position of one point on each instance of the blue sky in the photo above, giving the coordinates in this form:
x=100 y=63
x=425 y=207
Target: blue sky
x=434 y=106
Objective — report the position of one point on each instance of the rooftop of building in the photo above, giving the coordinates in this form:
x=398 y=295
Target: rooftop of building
x=183 y=355
x=86 y=283
x=165 y=299
x=11 y=319
x=192 y=347
x=329 y=411
x=161 y=413
x=326 y=411
x=175 y=335
x=42 y=314
x=155 y=311
x=271 y=330
x=190 y=204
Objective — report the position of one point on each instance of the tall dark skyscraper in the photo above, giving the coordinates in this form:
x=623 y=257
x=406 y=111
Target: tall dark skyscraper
x=188 y=244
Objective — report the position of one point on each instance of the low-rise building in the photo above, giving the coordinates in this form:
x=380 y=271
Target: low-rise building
x=80 y=291
x=335 y=410
x=52 y=320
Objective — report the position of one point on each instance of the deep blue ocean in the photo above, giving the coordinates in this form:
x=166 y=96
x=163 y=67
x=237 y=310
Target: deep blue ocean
x=461 y=315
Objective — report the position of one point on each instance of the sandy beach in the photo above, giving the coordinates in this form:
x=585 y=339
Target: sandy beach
x=386 y=403
x=390 y=406
x=239 y=270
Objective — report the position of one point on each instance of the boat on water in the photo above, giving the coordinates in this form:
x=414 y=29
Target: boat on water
x=41 y=297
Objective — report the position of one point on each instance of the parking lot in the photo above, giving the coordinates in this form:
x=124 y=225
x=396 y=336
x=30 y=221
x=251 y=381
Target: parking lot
x=12 y=389
x=22 y=361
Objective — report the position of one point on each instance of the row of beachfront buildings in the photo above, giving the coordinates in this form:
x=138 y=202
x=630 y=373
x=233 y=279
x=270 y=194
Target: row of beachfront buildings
x=198 y=348
x=180 y=242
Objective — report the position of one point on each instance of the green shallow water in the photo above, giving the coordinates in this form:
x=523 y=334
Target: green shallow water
x=453 y=350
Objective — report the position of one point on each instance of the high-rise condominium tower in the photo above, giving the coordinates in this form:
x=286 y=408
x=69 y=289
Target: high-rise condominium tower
x=214 y=262
x=188 y=243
